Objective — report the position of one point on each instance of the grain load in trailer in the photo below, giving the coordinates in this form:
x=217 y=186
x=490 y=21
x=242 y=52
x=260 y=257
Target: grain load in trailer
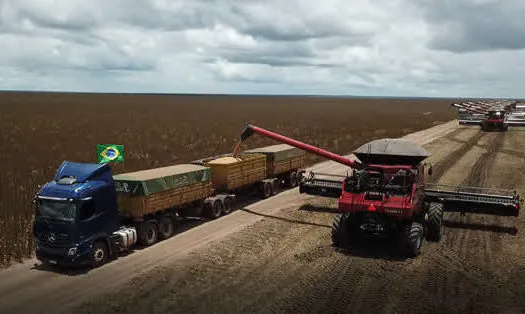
x=230 y=173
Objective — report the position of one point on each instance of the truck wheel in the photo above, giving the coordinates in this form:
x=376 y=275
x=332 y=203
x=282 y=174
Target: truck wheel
x=166 y=227
x=341 y=231
x=149 y=233
x=99 y=254
x=413 y=238
x=293 y=179
x=275 y=187
x=435 y=222
x=267 y=189
x=214 y=210
x=227 y=206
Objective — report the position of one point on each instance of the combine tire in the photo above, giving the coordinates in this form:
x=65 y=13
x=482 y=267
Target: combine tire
x=414 y=238
x=435 y=222
x=166 y=226
x=149 y=233
x=341 y=232
x=99 y=254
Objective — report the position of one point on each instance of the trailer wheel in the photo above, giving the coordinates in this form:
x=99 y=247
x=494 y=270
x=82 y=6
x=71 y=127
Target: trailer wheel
x=435 y=222
x=293 y=179
x=166 y=226
x=275 y=187
x=341 y=231
x=214 y=210
x=149 y=233
x=227 y=206
x=266 y=189
x=414 y=238
x=99 y=254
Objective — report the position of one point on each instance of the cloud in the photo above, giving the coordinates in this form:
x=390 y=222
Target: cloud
x=383 y=47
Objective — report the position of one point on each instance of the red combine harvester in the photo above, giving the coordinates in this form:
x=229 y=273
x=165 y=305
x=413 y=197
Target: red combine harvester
x=386 y=193
x=490 y=116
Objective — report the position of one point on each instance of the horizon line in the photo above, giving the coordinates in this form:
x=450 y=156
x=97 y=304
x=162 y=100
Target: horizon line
x=247 y=95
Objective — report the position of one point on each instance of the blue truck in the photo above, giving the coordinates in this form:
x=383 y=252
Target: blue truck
x=87 y=215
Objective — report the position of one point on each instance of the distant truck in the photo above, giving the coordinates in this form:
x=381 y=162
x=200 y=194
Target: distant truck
x=87 y=215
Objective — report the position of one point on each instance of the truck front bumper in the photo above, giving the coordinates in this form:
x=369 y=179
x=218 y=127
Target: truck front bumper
x=59 y=256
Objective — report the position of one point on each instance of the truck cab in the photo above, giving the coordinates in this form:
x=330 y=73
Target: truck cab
x=75 y=215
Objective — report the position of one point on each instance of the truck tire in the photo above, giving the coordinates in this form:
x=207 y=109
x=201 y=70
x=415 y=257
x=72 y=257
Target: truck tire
x=214 y=210
x=275 y=187
x=166 y=226
x=341 y=231
x=435 y=222
x=293 y=179
x=414 y=238
x=149 y=233
x=99 y=254
x=227 y=206
x=266 y=189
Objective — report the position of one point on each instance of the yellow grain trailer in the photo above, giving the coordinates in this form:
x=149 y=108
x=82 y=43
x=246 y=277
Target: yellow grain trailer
x=283 y=161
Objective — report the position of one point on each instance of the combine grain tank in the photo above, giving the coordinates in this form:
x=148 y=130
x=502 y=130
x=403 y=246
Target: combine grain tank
x=391 y=152
x=146 y=192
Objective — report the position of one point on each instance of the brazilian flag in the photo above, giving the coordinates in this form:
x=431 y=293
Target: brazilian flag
x=110 y=153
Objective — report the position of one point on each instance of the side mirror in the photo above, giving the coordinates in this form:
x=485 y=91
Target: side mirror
x=430 y=171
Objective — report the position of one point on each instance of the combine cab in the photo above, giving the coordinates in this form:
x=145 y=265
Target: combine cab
x=386 y=195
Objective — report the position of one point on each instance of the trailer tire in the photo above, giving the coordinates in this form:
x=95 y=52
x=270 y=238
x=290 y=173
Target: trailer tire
x=275 y=187
x=166 y=226
x=214 y=211
x=341 y=232
x=227 y=206
x=414 y=238
x=266 y=189
x=435 y=222
x=99 y=254
x=149 y=233
x=293 y=179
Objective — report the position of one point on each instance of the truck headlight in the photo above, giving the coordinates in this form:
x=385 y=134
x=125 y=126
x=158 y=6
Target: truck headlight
x=72 y=251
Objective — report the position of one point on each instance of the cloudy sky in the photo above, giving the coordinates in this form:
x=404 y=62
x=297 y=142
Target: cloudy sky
x=334 y=47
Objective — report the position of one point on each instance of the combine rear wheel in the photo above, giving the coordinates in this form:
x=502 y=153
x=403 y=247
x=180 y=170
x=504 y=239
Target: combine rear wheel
x=414 y=238
x=341 y=231
x=435 y=222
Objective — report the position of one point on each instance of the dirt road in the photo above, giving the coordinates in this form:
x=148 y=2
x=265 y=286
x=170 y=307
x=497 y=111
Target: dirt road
x=276 y=255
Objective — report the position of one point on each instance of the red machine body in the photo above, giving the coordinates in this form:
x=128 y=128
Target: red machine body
x=381 y=196
x=386 y=192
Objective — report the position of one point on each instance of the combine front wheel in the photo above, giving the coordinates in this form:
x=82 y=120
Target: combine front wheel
x=435 y=222
x=414 y=238
x=341 y=231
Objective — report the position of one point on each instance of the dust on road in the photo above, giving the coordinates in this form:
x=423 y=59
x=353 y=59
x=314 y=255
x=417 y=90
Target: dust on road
x=286 y=263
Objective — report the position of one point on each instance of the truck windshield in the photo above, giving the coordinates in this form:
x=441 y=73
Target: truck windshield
x=64 y=211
